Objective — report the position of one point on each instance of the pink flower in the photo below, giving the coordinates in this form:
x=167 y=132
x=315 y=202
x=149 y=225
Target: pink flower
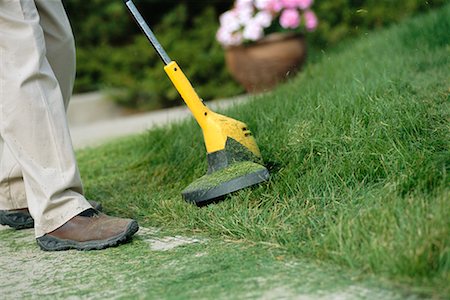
x=253 y=31
x=229 y=20
x=290 y=18
x=248 y=20
x=244 y=13
x=289 y=3
x=263 y=18
x=310 y=20
x=274 y=5
x=226 y=38
x=304 y=4
x=262 y=4
x=244 y=3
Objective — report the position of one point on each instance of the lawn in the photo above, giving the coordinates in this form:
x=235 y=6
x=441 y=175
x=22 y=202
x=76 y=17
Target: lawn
x=358 y=149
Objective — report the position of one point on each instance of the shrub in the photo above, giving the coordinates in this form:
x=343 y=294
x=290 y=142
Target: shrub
x=136 y=70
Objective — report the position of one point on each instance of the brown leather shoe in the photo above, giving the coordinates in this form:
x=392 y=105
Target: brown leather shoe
x=90 y=230
x=21 y=218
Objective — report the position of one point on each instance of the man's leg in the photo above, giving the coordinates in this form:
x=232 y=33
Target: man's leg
x=59 y=43
x=12 y=189
x=61 y=57
x=60 y=54
x=33 y=124
x=13 y=211
x=34 y=128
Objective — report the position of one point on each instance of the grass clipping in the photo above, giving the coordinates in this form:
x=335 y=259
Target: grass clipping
x=229 y=173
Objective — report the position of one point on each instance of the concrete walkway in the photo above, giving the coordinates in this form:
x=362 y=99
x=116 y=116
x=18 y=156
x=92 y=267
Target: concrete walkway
x=94 y=119
x=160 y=265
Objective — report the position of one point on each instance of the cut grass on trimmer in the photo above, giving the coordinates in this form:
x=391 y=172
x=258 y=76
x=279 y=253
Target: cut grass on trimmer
x=358 y=147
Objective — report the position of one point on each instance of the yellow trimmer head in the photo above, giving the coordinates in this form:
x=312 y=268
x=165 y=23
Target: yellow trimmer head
x=234 y=160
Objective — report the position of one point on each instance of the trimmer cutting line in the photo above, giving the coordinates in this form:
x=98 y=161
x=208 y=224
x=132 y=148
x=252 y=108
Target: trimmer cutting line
x=234 y=160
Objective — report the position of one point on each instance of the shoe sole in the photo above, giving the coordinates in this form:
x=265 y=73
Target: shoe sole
x=49 y=243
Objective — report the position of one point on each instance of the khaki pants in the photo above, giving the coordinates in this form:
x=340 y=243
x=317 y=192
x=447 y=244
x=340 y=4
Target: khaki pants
x=37 y=69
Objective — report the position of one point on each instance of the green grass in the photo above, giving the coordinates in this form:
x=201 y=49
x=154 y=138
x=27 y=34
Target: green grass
x=358 y=148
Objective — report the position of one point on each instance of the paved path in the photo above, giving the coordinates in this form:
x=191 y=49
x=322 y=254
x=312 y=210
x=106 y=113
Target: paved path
x=161 y=265
x=94 y=120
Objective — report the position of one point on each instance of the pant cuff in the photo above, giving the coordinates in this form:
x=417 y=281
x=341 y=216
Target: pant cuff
x=58 y=217
x=12 y=195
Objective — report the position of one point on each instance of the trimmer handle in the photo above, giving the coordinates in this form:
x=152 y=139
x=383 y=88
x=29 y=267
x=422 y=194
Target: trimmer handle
x=147 y=31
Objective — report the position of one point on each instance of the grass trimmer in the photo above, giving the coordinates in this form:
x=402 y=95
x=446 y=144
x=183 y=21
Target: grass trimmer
x=234 y=160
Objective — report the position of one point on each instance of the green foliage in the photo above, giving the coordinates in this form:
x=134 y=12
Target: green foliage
x=99 y=22
x=114 y=54
x=138 y=72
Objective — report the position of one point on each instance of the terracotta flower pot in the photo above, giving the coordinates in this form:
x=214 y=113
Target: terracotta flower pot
x=261 y=66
